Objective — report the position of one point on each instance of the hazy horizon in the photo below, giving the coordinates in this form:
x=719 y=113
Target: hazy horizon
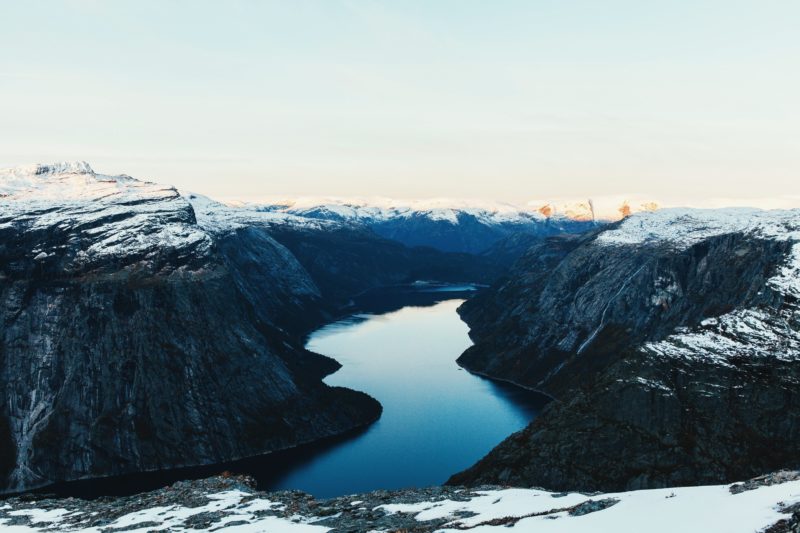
x=690 y=103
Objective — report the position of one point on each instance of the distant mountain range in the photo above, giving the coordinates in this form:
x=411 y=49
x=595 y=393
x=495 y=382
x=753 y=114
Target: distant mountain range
x=145 y=328
x=447 y=225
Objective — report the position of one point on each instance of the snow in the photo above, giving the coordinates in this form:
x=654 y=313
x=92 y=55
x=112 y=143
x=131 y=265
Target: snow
x=377 y=209
x=709 y=509
x=757 y=333
x=169 y=518
x=172 y=517
x=373 y=210
x=113 y=215
x=751 y=332
x=38 y=516
x=83 y=197
x=787 y=280
x=217 y=216
x=490 y=505
x=604 y=207
x=652 y=384
x=682 y=227
x=72 y=181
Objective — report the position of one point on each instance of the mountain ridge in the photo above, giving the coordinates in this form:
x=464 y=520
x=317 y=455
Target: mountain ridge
x=671 y=341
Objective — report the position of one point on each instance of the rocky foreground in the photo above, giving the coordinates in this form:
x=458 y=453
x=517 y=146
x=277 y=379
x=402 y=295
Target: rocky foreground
x=230 y=503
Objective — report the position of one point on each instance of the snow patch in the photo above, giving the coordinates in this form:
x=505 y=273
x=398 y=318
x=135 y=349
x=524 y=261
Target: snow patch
x=787 y=280
x=744 y=332
x=682 y=228
x=113 y=215
x=711 y=509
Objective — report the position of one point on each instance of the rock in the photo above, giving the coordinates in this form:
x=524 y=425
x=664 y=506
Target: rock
x=229 y=500
x=674 y=358
x=143 y=341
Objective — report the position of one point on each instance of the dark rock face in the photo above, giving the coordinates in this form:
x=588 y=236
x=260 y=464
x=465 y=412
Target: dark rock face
x=134 y=340
x=651 y=391
x=345 y=261
x=469 y=233
x=463 y=230
x=649 y=422
x=570 y=301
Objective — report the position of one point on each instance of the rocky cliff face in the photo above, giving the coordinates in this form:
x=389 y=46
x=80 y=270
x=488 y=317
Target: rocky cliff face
x=671 y=342
x=345 y=259
x=135 y=339
x=471 y=233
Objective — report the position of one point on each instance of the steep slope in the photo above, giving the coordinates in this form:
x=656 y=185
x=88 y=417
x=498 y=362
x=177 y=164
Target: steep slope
x=671 y=342
x=134 y=339
x=345 y=259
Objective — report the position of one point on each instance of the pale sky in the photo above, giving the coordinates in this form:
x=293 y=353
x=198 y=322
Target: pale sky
x=500 y=99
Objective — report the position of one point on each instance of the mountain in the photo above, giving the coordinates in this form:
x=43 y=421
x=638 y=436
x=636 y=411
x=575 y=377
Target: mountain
x=230 y=503
x=446 y=225
x=135 y=339
x=670 y=341
x=147 y=329
x=346 y=259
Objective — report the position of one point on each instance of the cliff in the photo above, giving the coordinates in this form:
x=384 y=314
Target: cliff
x=134 y=339
x=670 y=341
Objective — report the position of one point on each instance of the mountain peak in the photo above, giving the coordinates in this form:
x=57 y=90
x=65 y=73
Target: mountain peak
x=63 y=167
x=71 y=180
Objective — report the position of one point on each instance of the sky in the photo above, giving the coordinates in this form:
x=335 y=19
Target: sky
x=686 y=101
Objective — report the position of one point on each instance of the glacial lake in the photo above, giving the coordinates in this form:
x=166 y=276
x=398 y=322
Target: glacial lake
x=437 y=418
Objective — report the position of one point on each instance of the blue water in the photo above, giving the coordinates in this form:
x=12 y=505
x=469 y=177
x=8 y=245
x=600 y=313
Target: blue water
x=437 y=418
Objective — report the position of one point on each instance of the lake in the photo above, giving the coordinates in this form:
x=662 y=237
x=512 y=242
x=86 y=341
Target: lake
x=438 y=419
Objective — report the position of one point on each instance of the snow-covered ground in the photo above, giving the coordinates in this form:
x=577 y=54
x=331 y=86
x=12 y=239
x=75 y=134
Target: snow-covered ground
x=755 y=332
x=117 y=215
x=215 y=216
x=683 y=227
x=707 y=509
x=169 y=518
x=752 y=332
x=72 y=182
x=747 y=508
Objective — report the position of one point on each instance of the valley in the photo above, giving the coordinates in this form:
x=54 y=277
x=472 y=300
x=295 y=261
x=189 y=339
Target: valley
x=152 y=336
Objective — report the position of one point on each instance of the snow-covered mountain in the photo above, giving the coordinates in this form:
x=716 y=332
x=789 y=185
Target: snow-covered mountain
x=377 y=209
x=124 y=322
x=672 y=339
x=128 y=311
x=119 y=215
x=382 y=209
x=445 y=224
